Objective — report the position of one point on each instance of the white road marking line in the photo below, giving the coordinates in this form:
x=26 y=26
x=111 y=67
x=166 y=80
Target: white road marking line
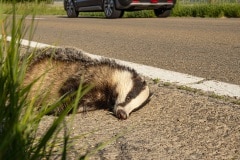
x=220 y=88
x=32 y=44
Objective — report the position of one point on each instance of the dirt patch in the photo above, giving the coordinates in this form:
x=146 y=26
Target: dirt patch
x=175 y=124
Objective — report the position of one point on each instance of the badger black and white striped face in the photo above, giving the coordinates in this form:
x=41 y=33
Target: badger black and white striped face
x=132 y=92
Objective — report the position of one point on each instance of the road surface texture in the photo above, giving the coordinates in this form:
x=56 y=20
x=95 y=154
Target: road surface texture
x=203 y=47
x=175 y=124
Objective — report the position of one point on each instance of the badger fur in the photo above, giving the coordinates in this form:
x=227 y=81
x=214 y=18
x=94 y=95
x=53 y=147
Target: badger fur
x=115 y=87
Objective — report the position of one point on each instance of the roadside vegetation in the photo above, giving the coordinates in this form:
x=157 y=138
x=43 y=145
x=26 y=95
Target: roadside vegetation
x=207 y=10
x=19 y=117
x=210 y=8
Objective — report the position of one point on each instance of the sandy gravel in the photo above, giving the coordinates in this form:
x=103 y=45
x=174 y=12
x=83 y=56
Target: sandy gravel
x=176 y=124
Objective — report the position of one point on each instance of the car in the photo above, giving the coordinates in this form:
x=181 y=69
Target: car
x=116 y=8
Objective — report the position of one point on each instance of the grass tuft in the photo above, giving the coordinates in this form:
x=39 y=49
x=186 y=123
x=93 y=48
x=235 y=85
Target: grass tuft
x=207 y=10
x=19 y=119
x=189 y=89
x=156 y=80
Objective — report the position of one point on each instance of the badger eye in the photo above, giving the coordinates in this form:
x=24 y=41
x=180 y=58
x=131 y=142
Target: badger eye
x=128 y=98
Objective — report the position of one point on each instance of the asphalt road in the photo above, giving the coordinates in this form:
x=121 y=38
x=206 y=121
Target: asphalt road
x=204 y=47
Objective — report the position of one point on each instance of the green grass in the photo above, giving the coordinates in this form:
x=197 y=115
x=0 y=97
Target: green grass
x=181 y=10
x=189 y=89
x=156 y=80
x=140 y=14
x=207 y=10
x=19 y=119
x=38 y=9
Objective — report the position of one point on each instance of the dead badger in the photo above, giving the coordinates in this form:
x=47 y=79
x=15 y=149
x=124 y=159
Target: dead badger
x=115 y=87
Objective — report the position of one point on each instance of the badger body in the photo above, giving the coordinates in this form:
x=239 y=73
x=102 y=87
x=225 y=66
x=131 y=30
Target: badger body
x=61 y=70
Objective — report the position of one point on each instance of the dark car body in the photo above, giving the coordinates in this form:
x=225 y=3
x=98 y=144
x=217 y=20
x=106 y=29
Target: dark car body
x=116 y=8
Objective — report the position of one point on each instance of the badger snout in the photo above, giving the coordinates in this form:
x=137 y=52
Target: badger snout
x=124 y=109
x=121 y=114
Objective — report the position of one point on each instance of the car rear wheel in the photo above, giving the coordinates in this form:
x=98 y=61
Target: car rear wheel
x=70 y=9
x=110 y=10
x=162 y=13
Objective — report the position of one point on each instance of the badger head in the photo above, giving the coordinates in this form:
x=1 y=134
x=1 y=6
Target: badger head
x=132 y=93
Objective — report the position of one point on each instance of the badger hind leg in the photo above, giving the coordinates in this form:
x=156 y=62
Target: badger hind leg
x=68 y=90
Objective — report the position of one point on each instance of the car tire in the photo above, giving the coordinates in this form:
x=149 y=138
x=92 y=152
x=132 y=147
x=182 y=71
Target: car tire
x=70 y=9
x=110 y=10
x=162 y=13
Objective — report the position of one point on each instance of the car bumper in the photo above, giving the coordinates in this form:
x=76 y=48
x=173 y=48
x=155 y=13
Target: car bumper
x=147 y=5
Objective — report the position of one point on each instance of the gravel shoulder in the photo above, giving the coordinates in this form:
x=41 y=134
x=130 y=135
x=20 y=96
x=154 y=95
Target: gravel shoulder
x=175 y=124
